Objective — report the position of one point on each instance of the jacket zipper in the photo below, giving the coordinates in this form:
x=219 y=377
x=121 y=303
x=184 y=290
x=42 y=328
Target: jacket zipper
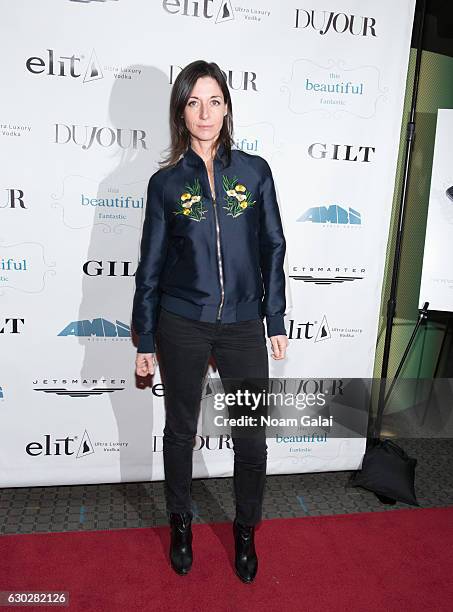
x=219 y=252
x=219 y=259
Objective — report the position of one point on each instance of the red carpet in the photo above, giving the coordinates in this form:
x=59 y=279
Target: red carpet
x=395 y=560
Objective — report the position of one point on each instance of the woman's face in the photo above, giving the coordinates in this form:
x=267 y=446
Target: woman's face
x=205 y=110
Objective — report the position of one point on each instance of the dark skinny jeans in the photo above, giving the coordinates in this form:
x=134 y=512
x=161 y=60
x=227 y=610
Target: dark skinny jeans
x=184 y=347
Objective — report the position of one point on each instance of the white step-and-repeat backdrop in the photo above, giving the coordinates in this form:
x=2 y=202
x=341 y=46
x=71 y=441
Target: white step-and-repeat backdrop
x=316 y=91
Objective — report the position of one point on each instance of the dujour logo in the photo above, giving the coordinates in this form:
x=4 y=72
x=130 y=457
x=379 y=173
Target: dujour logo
x=329 y=21
x=14 y=199
x=85 y=136
x=243 y=80
x=213 y=443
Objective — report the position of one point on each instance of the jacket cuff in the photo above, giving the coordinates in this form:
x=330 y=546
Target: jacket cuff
x=275 y=326
x=146 y=343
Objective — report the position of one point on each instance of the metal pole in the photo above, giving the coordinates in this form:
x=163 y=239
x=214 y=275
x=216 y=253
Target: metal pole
x=391 y=304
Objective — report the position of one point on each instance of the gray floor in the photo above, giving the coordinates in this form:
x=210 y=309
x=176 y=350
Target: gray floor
x=115 y=506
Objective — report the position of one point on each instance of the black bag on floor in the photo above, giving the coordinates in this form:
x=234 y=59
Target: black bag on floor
x=388 y=472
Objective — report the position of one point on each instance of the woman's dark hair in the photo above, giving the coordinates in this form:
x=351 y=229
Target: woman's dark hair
x=180 y=93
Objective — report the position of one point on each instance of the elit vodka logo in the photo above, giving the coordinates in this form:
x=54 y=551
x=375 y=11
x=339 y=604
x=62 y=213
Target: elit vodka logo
x=206 y=9
x=329 y=22
x=85 y=68
x=318 y=331
x=331 y=215
x=53 y=64
x=61 y=447
x=309 y=330
x=100 y=328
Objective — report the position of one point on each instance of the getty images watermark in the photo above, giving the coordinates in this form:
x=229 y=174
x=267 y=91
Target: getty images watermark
x=332 y=407
x=256 y=401
x=245 y=407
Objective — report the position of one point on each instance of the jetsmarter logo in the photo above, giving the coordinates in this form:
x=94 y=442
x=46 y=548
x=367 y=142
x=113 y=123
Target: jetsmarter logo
x=97 y=327
x=328 y=21
x=333 y=215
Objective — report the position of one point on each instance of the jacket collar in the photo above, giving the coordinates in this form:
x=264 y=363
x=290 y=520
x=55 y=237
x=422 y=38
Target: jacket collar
x=194 y=159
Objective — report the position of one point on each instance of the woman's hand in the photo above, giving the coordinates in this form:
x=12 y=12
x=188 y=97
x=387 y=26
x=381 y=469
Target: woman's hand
x=145 y=364
x=279 y=344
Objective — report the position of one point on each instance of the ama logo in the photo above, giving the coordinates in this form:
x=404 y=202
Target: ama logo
x=100 y=328
x=334 y=214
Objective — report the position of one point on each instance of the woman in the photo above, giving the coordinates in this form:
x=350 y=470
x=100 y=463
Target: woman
x=212 y=247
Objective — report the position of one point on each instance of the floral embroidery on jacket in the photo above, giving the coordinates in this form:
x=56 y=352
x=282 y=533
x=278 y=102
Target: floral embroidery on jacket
x=238 y=198
x=191 y=202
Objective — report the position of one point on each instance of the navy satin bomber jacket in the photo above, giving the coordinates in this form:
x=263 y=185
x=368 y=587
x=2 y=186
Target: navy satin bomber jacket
x=209 y=258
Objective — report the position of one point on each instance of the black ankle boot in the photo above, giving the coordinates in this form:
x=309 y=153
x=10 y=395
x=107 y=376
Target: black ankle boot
x=181 y=542
x=246 y=561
